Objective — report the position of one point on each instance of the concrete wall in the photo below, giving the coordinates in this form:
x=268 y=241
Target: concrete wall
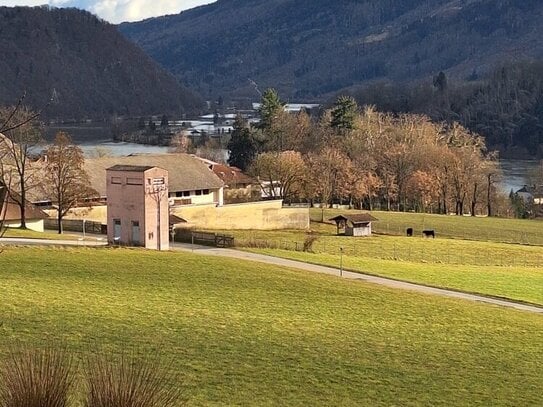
x=36 y=225
x=267 y=215
x=93 y=213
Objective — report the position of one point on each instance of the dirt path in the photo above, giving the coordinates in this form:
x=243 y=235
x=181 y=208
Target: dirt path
x=401 y=285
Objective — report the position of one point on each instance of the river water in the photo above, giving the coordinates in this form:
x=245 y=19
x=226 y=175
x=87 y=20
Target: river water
x=119 y=149
x=95 y=139
x=516 y=173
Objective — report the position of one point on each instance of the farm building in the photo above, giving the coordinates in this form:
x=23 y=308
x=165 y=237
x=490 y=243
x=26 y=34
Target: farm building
x=10 y=212
x=137 y=206
x=191 y=182
x=354 y=225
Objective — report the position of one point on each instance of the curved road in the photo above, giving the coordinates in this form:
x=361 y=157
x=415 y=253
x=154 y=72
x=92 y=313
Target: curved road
x=401 y=285
x=277 y=261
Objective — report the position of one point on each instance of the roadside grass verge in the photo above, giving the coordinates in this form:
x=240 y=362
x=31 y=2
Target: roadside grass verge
x=503 y=270
x=522 y=284
x=244 y=333
x=32 y=234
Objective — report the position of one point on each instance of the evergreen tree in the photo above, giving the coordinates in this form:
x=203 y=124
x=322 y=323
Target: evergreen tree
x=242 y=147
x=344 y=113
x=164 y=122
x=270 y=106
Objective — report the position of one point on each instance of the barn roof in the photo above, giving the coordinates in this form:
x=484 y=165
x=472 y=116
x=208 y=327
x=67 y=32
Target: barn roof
x=185 y=173
x=355 y=218
x=11 y=210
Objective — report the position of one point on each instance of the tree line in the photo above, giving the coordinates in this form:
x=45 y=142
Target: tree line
x=367 y=159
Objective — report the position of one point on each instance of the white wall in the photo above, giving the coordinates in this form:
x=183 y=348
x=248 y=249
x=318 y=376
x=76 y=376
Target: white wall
x=35 y=225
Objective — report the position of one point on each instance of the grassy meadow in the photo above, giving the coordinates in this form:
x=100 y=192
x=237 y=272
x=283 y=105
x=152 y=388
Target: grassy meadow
x=249 y=334
x=31 y=234
x=488 y=266
x=516 y=231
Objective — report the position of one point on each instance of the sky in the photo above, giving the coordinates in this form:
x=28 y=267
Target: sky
x=117 y=11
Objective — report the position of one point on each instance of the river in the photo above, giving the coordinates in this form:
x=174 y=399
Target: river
x=516 y=173
x=95 y=139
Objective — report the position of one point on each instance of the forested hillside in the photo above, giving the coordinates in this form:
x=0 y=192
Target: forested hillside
x=310 y=48
x=73 y=65
x=505 y=105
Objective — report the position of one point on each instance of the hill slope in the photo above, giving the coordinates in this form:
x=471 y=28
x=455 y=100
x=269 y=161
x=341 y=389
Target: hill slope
x=310 y=48
x=83 y=64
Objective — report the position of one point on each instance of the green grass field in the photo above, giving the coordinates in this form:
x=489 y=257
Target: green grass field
x=31 y=234
x=250 y=334
x=520 y=231
x=488 y=267
x=522 y=284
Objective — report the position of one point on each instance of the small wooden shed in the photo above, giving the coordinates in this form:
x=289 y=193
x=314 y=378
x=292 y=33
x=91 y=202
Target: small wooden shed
x=354 y=225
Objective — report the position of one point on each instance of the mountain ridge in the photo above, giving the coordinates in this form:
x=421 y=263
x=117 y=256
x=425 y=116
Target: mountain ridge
x=312 y=49
x=74 y=65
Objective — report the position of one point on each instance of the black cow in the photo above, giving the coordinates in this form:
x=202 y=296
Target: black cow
x=429 y=233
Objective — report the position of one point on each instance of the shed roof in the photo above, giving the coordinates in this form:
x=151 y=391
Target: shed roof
x=355 y=218
x=175 y=220
x=185 y=173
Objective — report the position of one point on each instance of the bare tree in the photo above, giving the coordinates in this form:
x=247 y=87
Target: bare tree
x=330 y=173
x=282 y=173
x=66 y=182
x=3 y=208
x=22 y=133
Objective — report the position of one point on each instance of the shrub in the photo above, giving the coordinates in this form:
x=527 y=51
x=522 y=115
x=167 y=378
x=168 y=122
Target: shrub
x=309 y=241
x=130 y=382
x=36 y=378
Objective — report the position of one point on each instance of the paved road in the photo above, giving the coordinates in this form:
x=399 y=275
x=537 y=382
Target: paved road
x=51 y=242
x=236 y=254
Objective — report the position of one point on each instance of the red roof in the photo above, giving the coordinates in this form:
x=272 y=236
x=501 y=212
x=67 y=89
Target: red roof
x=231 y=176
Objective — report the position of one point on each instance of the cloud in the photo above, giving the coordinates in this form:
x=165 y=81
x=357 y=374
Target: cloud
x=117 y=11
x=11 y=3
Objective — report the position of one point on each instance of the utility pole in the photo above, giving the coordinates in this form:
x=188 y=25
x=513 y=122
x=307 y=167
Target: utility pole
x=341 y=261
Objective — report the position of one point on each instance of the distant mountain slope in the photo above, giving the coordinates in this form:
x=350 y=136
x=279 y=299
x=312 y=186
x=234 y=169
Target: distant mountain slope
x=83 y=64
x=310 y=48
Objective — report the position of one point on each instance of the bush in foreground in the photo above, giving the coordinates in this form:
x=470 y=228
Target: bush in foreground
x=129 y=382
x=36 y=378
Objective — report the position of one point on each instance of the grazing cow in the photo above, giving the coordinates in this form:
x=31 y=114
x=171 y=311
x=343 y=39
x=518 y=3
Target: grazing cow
x=429 y=233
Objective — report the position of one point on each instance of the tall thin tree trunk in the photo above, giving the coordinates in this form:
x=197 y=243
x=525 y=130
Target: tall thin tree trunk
x=488 y=195
x=22 y=207
x=474 y=199
x=59 y=222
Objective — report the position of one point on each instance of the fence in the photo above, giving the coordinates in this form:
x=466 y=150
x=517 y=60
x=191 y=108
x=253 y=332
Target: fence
x=204 y=238
x=465 y=232
x=76 y=225
x=423 y=251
